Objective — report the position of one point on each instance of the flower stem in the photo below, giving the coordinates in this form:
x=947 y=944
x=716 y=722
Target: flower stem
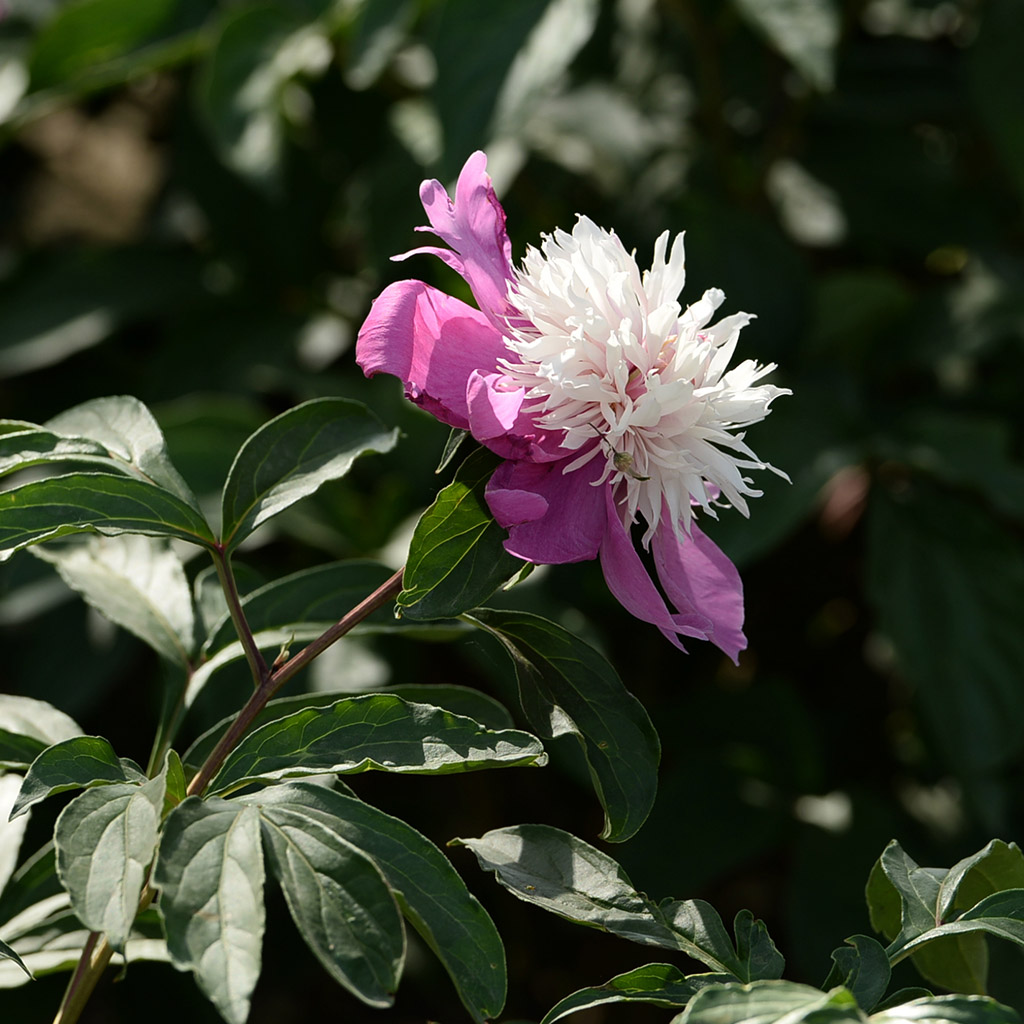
x=273 y=681
x=258 y=667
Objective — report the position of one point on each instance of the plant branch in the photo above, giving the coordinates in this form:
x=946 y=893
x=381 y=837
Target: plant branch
x=273 y=681
x=258 y=667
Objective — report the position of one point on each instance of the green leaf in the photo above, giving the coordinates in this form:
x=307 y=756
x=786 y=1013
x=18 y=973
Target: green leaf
x=564 y=875
x=105 y=841
x=210 y=875
x=376 y=731
x=33 y=446
x=89 y=32
x=566 y=686
x=78 y=763
x=657 y=984
x=94 y=502
x=996 y=867
x=50 y=938
x=290 y=457
x=1000 y=914
x=457 y=557
x=805 y=32
x=903 y=901
x=34 y=884
x=11 y=833
x=339 y=900
x=955 y=1009
x=451 y=447
x=257 y=50
x=131 y=437
x=429 y=891
x=138 y=583
x=459 y=699
x=28 y=726
x=768 y=1002
x=758 y=955
x=862 y=967
x=8 y=954
x=318 y=596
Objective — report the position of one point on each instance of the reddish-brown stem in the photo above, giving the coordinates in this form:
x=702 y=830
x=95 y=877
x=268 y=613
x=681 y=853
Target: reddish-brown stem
x=275 y=680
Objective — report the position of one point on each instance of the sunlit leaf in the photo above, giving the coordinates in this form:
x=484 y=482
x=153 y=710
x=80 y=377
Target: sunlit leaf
x=105 y=840
x=566 y=686
x=771 y=1002
x=11 y=832
x=28 y=726
x=429 y=891
x=138 y=583
x=210 y=875
x=376 y=731
x=457 y=557
x=459 y=699
x=290 y=457
x=554 y=870
x=955 y=1009
x=94 y=502
x=77 y=763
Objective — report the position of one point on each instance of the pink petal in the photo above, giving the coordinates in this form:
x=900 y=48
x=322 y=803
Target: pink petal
x=432 y=343
x=474 y=227
x=492 y=412
x=633 y=587
x=699 y=578
x=551 y=516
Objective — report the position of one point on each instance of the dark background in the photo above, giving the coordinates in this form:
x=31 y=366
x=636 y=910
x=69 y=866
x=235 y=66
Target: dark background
x=199 y=201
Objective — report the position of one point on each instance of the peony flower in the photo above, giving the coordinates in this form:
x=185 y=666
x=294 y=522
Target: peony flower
x=610 y=403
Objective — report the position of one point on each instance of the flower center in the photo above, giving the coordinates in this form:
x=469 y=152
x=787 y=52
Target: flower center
x=608 y=357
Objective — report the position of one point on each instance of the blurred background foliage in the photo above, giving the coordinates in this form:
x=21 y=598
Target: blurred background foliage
x=199 y=202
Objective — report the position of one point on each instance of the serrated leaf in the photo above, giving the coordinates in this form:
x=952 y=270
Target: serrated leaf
x=78 y=763
x=459 y=699
x=210 y=875
x=805 y=32
x=862 y=967
x=105 y=840
x=771 y=1002
x=318 y=595
x=376 y=731
x=955 y=1009
x=429 y=891
x=656 y=984
x=28 y=726
x=564 y=875
x=290 y=457
x=94 y=502
x=338 y=899
x=565 y=685
x=457 y=557
x=138 y=583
